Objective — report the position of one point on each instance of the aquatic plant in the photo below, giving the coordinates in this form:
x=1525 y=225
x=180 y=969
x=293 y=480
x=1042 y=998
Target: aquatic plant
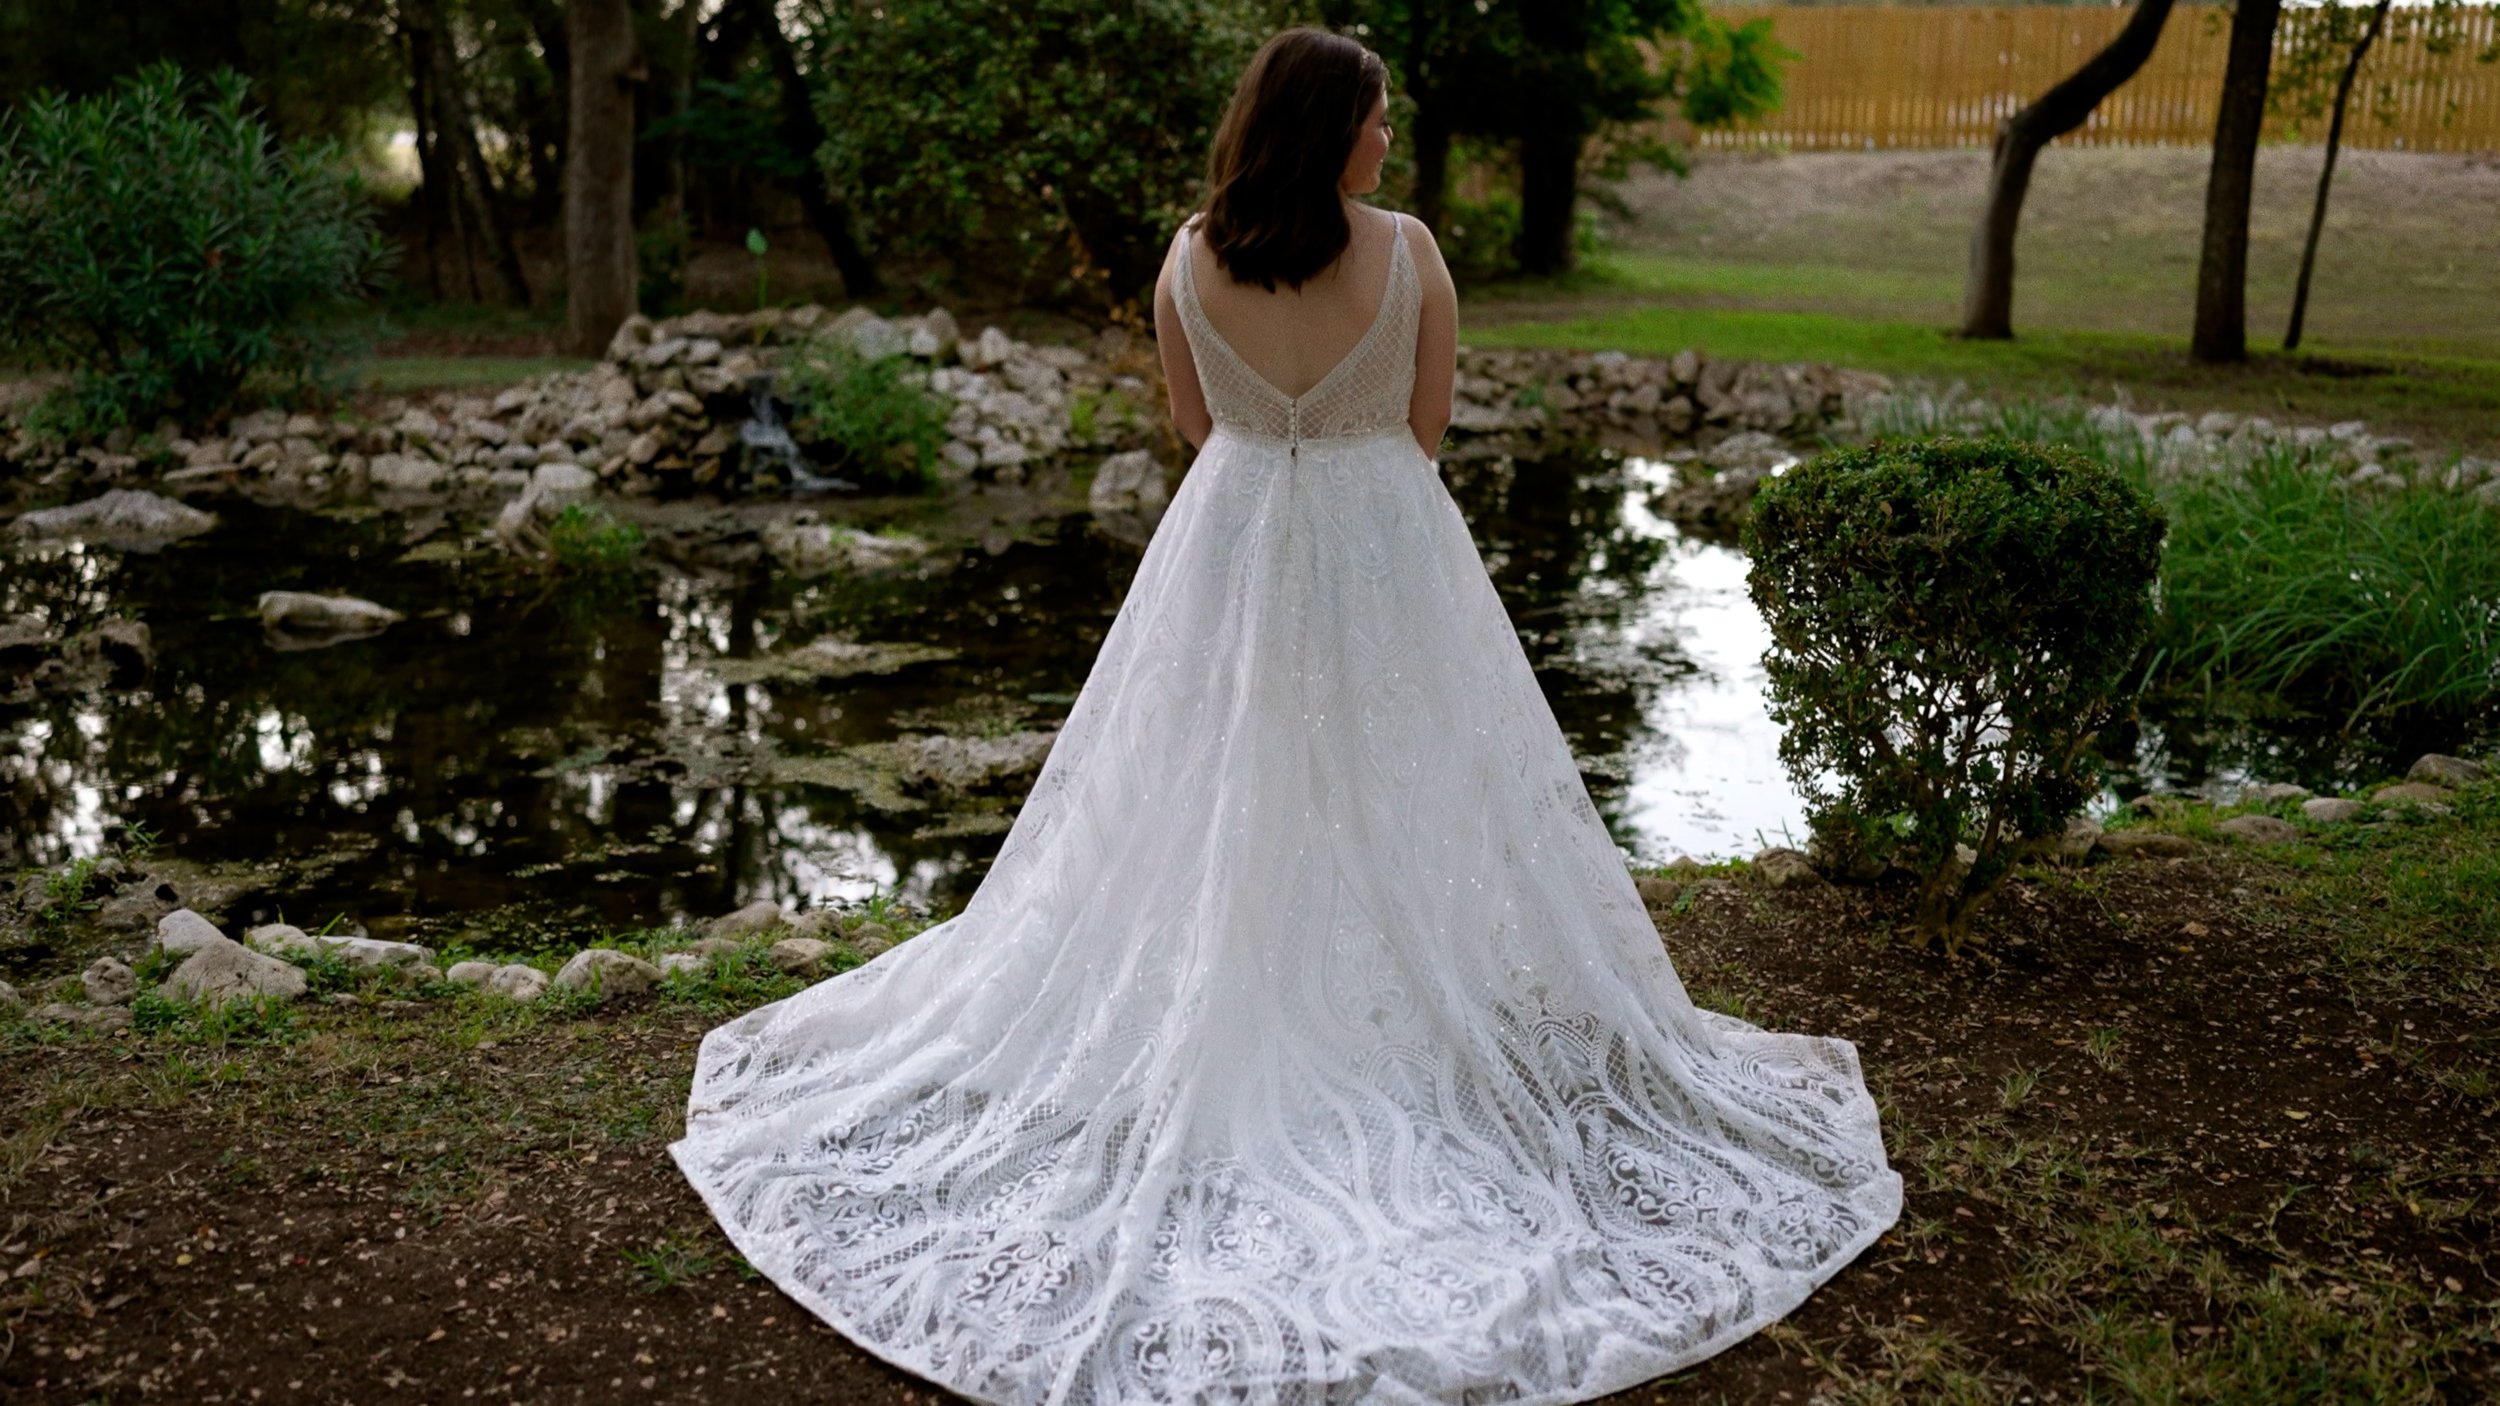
x=586 y=539
x=874 y=417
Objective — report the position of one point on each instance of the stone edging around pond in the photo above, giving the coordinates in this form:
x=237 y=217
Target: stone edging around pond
x=267 y=963
x=667 y=403
x=214 y=967
x=2427 y=791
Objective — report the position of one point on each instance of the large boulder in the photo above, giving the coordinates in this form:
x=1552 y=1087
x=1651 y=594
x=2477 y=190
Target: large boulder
x=121 y=517
x=1128 y=480
x=608 y=973
x=232 y=972
x=2437 y=770
x=761 y=916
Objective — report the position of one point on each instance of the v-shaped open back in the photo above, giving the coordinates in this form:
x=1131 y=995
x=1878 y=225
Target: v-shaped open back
x=1366 y=392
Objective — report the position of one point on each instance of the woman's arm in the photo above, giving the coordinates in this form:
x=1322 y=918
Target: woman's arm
x=1180 y=372
x=1436 y=340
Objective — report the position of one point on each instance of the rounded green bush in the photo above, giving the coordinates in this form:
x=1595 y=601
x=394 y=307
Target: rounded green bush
x=157 y=243
x=1952 y=621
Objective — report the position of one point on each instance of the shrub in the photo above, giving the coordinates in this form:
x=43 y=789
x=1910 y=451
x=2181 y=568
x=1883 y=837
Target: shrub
x=874 y=417
x=158 y=244
x=1952 y=621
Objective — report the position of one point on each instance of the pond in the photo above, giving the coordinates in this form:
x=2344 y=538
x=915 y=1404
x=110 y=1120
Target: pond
x=570 y=756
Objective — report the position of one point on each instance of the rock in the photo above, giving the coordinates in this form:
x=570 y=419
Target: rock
x=971 y=763
x=406 y=473
x=281 y=940
x=1658 y=890
x=715 y=946
x=10 y=1001
x=122 y=517
x=2076 y=841
x=560 y=481
x=2437 y=770
x=1753 y=450
x=232 y=971
x=2259 y=829
x=183 y=932
x=302 y=619
x=92 y=1017
x=800 y=956
x=109 y=982
x=517 y=981
x=1785 y=868
x=2331 y=810
x=684 y=962
x=992 y=347
x=612 y=974
x=1128 y=480
x=2272 y=793
x=871 y=940
x=2149 y=844
x=761 y=916
x=130 y=912
x=287 y=940
x=2410 y=793
x=475 y=974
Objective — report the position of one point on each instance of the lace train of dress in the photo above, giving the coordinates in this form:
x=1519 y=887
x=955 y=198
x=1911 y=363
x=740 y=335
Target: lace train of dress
x=1307 y=1041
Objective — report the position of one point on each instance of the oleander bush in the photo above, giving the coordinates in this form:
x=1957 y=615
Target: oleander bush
x=160 y=246
x=1952 y=622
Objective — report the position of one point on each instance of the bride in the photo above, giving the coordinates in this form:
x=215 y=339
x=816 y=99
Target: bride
x=1307 y=1041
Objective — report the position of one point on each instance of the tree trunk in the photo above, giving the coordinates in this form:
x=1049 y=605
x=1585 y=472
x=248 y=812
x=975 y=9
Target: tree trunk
x=458 y=132
x=2326 y=173
x=1988 y=293
x=2222 y=270
x=826 y=214
x=433 y=181
x=1432 y=163
x=1549 y=187
x=599 y=174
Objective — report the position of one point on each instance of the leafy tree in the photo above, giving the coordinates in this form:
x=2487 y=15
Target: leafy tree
x=1048 y=136
x=156 y=241
x=1552 y=77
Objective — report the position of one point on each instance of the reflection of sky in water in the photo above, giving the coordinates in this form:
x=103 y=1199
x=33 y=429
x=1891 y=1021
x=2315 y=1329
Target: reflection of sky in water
x=1718 y=790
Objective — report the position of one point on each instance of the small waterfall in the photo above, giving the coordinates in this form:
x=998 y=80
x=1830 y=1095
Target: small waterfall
x=768 y=442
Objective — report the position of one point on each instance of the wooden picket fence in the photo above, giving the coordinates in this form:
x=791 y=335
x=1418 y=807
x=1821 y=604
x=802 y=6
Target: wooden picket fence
x=1942 y=76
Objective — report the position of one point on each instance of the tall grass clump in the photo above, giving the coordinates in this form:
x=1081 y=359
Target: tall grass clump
x=2283 y=581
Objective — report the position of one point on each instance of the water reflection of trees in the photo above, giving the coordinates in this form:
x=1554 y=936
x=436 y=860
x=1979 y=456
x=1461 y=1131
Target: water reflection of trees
x=512 y=746
x=1574 y=574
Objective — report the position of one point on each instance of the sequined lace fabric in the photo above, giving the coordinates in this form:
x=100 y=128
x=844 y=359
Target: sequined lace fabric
x=1307 y=1040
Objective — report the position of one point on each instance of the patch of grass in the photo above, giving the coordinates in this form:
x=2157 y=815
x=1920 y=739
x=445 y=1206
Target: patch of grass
x=405 y=375
x=666 y=1264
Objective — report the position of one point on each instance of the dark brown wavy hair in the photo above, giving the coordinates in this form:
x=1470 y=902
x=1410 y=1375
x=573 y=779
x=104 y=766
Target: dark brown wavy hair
x=1273 y=210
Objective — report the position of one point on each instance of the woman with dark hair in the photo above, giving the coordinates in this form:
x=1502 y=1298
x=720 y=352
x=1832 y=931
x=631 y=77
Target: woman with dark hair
x=1307 y=1041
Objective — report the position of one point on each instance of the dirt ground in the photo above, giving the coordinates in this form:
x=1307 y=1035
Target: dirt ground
x=2409 y=260
x=2183 y=1129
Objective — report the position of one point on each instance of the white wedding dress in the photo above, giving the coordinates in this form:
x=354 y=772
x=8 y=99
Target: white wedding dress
x=1307 y=1041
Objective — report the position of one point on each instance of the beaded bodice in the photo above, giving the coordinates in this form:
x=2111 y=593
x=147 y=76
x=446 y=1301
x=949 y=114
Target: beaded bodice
x=1365 y=393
